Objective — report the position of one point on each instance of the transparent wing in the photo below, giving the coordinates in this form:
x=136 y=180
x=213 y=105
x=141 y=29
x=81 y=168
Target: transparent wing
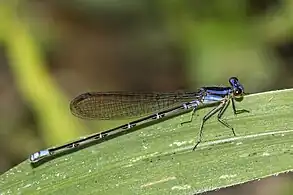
x=121 y=105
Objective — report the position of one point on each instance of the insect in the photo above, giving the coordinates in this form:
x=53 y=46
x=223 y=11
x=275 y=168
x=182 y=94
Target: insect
x=121 y=105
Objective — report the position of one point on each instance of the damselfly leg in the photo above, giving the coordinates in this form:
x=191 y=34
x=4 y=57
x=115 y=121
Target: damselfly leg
x=237 y=111
x=220 y=114
x=191 y=117
x=206 y=117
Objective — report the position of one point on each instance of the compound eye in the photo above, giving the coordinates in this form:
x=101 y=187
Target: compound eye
x=237 y=92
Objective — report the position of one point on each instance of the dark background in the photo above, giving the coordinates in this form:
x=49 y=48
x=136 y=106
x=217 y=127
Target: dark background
x=51 y=51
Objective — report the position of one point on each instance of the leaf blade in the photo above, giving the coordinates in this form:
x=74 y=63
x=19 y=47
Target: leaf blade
x=158 y=158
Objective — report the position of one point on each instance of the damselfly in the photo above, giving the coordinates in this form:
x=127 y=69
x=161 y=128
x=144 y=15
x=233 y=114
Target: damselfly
x=120 y=105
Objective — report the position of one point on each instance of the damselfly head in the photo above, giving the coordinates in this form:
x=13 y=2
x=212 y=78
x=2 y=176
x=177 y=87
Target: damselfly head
x=238 y=89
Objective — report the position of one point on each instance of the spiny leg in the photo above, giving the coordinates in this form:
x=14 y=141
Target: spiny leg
x=226 y=104
x=205 y=118
x=237 y=111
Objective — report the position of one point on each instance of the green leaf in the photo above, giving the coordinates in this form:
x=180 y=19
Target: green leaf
x=158 y=159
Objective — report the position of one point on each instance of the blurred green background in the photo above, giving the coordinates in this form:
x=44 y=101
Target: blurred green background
x=51 y=51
